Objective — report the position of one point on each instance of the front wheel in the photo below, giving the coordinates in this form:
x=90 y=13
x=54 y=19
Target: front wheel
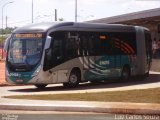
x=74 y=79
x=41 y=86
x=125 y=75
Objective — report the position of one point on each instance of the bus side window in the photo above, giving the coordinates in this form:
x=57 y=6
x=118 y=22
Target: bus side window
x=124 y=43
x=84 y=44
x=71 y=48
x=71 y=45
x=87 y=46
x=102 y=43
x=91 y=45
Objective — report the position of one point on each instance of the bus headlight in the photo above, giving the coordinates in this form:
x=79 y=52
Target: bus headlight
x=37 y=71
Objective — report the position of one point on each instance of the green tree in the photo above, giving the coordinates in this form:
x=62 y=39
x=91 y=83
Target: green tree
x=7 y=30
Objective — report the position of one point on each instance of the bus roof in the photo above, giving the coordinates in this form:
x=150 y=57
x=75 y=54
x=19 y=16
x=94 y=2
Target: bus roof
x=44 y=27
x=41 y=27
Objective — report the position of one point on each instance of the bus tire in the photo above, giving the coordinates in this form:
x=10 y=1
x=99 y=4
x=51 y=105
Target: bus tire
x=74 y=80
x=125 y=74
x=41 y=86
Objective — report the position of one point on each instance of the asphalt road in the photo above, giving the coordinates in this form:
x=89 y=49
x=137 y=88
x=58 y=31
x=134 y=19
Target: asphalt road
x=51 y=115
x=151 y=82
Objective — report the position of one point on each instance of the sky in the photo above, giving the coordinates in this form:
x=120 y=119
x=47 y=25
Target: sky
x=19 y=13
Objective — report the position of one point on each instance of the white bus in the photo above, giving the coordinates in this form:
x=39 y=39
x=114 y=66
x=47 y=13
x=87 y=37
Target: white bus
x=70 y=53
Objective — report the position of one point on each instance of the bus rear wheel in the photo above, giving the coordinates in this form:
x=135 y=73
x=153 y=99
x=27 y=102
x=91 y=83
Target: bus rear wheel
x=74 y=79
x=41 y=86
x=125 y=75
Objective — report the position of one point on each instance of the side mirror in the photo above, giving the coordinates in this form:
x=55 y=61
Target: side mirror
x=47 y=43
x=48 y=50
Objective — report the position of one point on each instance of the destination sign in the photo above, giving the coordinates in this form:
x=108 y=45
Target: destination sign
x=29 y=35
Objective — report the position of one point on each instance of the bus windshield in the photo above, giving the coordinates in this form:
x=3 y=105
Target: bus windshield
x=25 y=51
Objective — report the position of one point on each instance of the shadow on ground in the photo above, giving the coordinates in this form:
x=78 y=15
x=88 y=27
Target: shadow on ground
x=153 y=78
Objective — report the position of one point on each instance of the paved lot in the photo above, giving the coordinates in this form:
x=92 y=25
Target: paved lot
x=30 y=115
x=52 y=115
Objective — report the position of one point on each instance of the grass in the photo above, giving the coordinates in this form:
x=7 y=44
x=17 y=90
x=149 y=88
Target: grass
x=136 y=96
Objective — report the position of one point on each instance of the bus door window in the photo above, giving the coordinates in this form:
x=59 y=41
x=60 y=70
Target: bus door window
x=83 y=49
x=84 y=45
x=56 y=49
x=91 y=45
x=87 y=48
x=87 y=44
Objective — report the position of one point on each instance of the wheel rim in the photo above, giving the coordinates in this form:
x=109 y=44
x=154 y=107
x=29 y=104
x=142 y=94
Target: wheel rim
x=73 y=79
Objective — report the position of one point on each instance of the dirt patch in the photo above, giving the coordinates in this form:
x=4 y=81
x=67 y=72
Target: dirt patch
x=2 y=74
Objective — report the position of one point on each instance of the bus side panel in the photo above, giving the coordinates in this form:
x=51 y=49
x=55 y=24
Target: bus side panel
x=104 y=67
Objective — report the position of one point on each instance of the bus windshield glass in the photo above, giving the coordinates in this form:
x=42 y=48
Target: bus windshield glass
x=25 y=49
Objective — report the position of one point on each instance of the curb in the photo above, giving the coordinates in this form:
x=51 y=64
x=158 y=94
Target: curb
x=6 y=85
x=3 y=85
x=76 y=108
